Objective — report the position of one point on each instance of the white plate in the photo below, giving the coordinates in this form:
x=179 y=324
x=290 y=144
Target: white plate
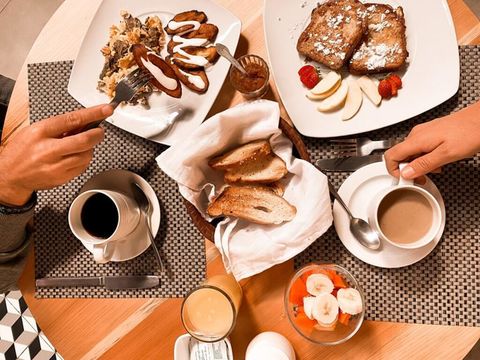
x=137 y=241
x=432 y=76
x=358 y=191
x=136 y=119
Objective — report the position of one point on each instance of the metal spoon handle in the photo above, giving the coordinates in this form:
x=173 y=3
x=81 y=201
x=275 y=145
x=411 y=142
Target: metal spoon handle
x=339 y=199
x=223 y=50
x=154 y=246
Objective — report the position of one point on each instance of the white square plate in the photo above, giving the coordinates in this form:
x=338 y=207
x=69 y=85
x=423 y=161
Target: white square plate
x=431 y=76
x=148 y=123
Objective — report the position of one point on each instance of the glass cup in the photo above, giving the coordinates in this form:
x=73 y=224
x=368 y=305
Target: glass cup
x=306 y=327
x=256 y=84
x=209 y=312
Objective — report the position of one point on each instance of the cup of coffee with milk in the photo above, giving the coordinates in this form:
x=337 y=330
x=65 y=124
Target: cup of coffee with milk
x=406 y=215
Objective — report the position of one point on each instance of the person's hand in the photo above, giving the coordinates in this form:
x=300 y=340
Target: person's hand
x=48 y=153
x=431 y=145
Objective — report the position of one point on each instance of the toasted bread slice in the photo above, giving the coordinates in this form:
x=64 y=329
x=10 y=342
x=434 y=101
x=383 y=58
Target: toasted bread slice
x=241 y=154
x=191 y=15
x=384 y=48
x=255 y=204
x=335 y=30
x=262 y=170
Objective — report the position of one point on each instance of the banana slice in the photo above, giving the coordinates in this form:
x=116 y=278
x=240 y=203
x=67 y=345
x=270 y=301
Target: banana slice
x=325 y=95
x=335 y=100
x=325 y=309
x=370 y=89
x=318 y=284
x=308 y=302
x=350 y=301
x=354 y=100
x=327 y=83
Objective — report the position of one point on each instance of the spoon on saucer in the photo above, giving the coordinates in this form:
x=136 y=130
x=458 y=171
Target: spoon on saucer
x=146 y=210
x=223 y=51
x=361 y=230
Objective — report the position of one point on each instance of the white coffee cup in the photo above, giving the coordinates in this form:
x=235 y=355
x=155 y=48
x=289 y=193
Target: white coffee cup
x=270 y=345
x=404 y=184
x=128 y=218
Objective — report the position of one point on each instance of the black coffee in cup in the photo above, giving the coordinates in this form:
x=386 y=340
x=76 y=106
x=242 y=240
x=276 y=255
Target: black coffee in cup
x=99 y=216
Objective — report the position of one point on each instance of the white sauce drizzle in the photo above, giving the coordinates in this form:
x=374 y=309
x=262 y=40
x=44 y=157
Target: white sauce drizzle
x=196 y=80
x=189 y=59
x=183 y=42
x=168 y=83
x=174 y=25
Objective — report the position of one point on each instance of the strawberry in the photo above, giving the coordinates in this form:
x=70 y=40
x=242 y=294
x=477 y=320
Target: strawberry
x=305 y=69
x=309 y=76
x=395 y=79
x=385 y=89
x=310 y=80
x=394 y=86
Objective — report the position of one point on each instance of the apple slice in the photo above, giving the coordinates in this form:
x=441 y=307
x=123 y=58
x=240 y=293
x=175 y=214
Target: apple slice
x=327 y=83
x=334 y=101
x=354 y=100
x=370 y=89
x=324 y=95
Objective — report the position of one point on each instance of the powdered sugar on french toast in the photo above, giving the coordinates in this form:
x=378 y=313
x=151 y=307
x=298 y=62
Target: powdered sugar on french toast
x=377 y=55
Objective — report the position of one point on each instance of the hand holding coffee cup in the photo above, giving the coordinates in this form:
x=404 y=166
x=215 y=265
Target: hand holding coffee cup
x=101 y=218
x=406 y=215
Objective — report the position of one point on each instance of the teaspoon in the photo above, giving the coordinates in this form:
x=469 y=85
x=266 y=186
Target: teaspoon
x=361 y=230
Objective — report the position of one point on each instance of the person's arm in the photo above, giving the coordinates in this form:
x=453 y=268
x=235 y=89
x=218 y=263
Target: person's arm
x=41 y=156
x=431 y=145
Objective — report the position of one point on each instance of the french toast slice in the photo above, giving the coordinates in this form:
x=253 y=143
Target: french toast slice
x=334 y=32
x=253 y=203
x=384 y=48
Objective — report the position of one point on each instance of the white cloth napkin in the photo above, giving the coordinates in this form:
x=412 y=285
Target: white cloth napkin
x=248 y=248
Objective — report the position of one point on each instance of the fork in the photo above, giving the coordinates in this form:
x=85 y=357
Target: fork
x=359 y=146
x=125 y=91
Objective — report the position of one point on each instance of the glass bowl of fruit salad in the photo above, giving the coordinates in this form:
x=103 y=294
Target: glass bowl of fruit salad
x=325 y=303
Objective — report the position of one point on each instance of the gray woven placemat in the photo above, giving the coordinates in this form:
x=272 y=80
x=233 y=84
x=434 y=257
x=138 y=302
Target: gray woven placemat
x=443 y=288
x=59 y=253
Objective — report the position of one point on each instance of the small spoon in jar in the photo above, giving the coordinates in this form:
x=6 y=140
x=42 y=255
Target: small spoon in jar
x=223 y=51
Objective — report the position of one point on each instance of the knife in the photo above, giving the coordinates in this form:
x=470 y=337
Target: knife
x=348 y=163
x=109 y=282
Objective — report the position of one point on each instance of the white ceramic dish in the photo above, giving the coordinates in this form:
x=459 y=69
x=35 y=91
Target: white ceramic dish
x=431 y=77
x=137 y=241
x=358 y=191
x=148 y=123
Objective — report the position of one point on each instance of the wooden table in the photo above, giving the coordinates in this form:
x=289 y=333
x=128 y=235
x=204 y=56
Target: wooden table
x=147 y=328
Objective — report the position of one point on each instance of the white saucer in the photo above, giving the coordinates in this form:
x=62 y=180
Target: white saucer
x=138 y=240
x=357 y=192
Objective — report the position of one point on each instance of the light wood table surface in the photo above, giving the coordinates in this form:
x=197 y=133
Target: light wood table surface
x=147 y=328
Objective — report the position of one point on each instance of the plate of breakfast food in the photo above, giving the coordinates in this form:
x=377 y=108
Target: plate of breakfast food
x=173 y=41
x=344 y=67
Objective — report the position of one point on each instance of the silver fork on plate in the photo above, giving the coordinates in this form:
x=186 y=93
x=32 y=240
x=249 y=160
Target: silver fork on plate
x=359 y=146
x=126 y=90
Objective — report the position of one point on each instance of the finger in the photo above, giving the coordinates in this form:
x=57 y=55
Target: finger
x=80 y=142
x=423 y=165
x=401 y=153
x=76 y=160
x=58 y=125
